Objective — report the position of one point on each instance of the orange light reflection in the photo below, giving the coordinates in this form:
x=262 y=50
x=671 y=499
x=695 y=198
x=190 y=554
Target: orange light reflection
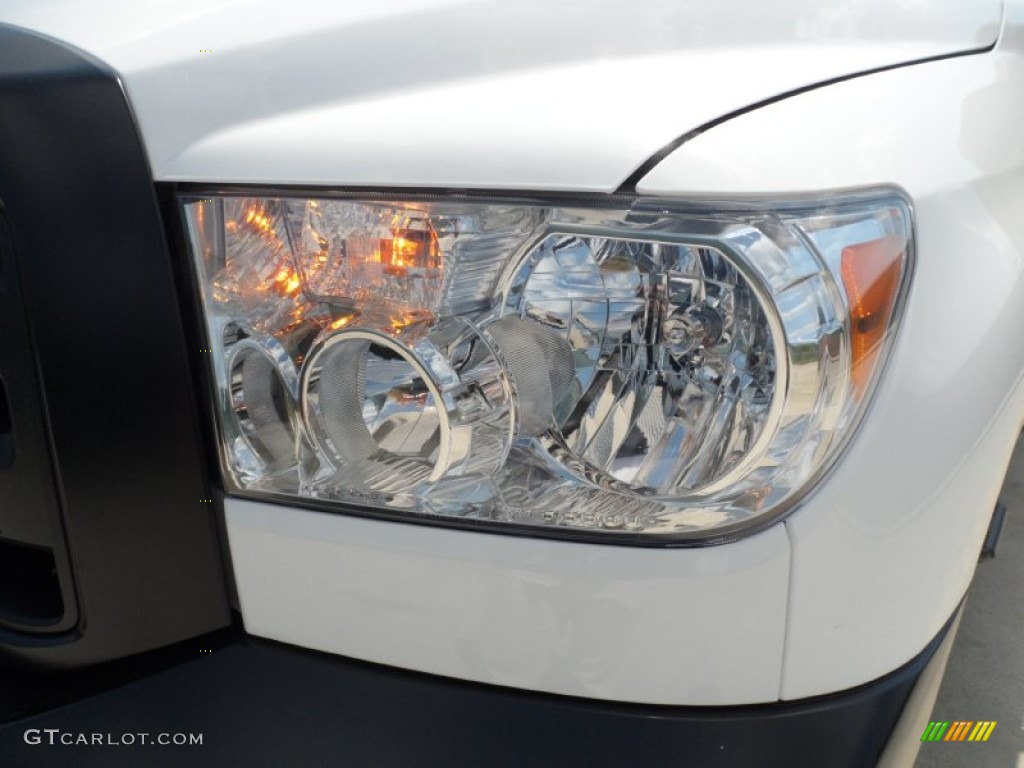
x=341 y=322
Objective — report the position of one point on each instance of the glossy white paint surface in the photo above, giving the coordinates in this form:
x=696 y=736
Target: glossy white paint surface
x=470 y=93
x=697 y=626
x=886 y=549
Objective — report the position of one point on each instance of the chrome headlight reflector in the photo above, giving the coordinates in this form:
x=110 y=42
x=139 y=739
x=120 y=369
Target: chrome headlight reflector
x=674 y=371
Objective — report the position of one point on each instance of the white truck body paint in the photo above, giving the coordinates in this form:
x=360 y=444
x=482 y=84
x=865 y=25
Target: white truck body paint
x=470 y=93
x=662 y=626
x=886 y=548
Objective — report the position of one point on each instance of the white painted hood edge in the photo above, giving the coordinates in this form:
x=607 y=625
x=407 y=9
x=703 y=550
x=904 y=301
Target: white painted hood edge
x=478 y=93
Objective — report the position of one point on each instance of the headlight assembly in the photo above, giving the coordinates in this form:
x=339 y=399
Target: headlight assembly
x=655 y=371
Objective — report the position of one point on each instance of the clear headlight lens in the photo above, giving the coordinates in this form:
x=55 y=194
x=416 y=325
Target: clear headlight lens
x=658 y=368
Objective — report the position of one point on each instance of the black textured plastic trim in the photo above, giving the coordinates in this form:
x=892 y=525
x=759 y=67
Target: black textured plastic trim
x=125 y=463
x=258 y=703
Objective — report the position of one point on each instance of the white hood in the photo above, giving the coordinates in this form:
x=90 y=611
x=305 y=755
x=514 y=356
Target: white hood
x=519 y=94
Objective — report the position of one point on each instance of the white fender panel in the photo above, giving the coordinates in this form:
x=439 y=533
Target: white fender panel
x=885 y=550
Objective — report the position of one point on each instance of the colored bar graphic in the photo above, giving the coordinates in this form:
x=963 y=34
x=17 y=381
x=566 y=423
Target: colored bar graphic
x=983 y=731
x=958 y=730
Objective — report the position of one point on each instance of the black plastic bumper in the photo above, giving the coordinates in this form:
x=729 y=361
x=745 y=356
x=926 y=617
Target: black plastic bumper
x=256 y=703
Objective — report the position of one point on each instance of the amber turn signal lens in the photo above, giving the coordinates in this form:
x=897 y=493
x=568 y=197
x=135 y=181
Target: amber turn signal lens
x=871 y=275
